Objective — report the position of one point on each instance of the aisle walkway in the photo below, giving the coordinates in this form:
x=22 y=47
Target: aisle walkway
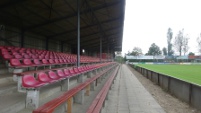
x=129 y=96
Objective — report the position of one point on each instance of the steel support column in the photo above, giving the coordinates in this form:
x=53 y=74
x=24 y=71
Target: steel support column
x=78 y=33
x=108 y=50
x=100 y=49
x=62 y=46
x=47 y=43
x=22 y=39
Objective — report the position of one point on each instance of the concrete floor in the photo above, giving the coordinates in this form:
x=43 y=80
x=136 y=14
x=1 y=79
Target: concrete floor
x=129 y=96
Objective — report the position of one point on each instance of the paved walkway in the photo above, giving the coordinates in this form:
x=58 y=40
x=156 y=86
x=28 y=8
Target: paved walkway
x=129 y=96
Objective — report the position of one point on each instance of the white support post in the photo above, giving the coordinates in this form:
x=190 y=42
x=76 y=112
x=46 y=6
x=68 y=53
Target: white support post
x=65 y=85
x=92 y=86
x=99 y=80
x=80 y=78
x=95 y=72
x=19 y=85
x=32 y=99
x=14 y=73
x=107 y=96
x=89 y=74
x=79 y=97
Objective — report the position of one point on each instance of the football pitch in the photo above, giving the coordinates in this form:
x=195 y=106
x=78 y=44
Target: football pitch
x=188 y=73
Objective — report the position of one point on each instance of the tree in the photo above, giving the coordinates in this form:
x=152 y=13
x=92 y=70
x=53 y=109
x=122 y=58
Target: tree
x=181 y=42
x=199 y=43
x=169 y=39
x=164 y=51
x=154 y=50
x=185 y=46
x=191 y=53
x=129 y=53
x=136 y=51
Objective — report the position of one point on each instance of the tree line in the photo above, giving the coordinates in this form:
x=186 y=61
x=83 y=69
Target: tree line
x=180 y=45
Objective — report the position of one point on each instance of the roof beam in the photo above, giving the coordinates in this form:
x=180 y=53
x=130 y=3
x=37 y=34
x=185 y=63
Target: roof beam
x=11 y=3
x=96 y=42
x=92 y=38
x=85 y=27
x=98 y=22
x=72 y=15
x=92 y=34
x=95 y=46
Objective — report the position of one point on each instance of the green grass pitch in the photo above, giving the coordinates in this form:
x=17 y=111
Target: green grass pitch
x=189 y=73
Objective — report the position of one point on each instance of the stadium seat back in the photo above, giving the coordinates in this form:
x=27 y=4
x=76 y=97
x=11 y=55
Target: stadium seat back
x=60 y=73
x=44 y=61
x=51 y=61
x=15 y=62
x=43 y=77
x=52 y=75
x=27 y=62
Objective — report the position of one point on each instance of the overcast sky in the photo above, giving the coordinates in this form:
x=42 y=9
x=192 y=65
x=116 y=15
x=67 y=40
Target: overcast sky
x=147 y=22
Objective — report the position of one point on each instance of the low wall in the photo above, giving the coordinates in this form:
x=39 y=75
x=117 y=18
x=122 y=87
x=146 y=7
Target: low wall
x=185 y=91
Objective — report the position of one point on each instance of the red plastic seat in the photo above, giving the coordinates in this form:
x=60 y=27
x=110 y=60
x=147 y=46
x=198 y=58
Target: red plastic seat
x=14 y=53
x=26 y=56
x=28 y=81
x=51 y=57
x=41 y=57
x=65 y=61
x=56 y=61
x=47 y=57
x=5 y=52
x=34 y=56
x=72 y=72
x=53 y=75
x=81 y=69
x=17 y=56
x=61 y=61
x=76 y=70
x=66 y=72
x=44 y=61
x=37 y=62
x=61 y=73
x=27 y=62
x=15 y=62
x=43 y=77
x=8 y=56
x=51 y=61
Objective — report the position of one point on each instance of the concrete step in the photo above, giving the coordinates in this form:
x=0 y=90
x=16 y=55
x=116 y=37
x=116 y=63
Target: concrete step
x=4 y=70
x=50 y=92
x=5 y=78
x=16 y=101
x=8 y=88
x=2 y=65
x=12 y=103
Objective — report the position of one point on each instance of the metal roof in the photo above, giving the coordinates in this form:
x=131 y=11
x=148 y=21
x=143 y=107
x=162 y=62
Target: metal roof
x=57 y=20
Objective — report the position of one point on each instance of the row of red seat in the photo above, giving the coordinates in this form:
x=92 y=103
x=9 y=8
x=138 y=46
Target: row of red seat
x=27 y=57
x=51 y=76
x=50 y=106
x=21 y=53
x=37 y=62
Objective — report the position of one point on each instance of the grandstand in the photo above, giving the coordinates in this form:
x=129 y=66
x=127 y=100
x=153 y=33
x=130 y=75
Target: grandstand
x=54 y=47
x=57 y=56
